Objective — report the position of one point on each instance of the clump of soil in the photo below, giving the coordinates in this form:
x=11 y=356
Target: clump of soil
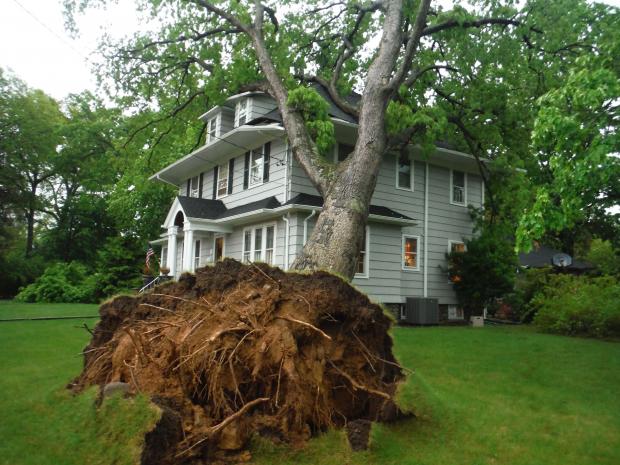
x=241 y=349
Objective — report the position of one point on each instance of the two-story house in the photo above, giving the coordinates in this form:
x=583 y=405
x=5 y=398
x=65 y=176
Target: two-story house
x=243 y=195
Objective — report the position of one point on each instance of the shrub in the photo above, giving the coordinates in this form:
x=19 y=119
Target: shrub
x=528 y=283
x=60 y=283
x=578 y=305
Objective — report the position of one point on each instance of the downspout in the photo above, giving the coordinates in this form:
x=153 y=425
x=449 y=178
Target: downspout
x=306 y=225
x=426 y=229
x=286 y=239
x=286 y=173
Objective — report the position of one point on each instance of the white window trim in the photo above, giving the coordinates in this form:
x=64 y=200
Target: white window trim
x=456 y=308
x=263 y=250
x=261 y=151
x=196 y=260
x=411 y=174
x=248 y=110
x=402 y=253
x=217 y=182
x=191 y=190
x=164 y=256
x=454 y=241
x=218 y=127
x=452 y=202
x=215 y=237
x=366 y=273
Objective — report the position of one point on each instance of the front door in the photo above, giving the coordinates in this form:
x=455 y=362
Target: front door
x=219 y=248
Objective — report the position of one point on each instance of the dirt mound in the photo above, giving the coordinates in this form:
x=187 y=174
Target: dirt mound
x=241 y=349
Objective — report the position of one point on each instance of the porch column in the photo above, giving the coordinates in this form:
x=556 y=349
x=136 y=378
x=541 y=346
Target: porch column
x=188 y=248
x=172 y=250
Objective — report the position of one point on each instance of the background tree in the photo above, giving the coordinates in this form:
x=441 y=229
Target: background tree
x=422 y=71
x=30 y=123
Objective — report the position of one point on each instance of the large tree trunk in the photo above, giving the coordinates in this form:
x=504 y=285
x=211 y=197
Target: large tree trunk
x=30 y=218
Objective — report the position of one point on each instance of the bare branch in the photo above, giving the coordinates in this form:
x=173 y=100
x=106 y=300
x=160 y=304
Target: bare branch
x=415 y=75
x=453 y=23
x=231 y=19
x=412 y=45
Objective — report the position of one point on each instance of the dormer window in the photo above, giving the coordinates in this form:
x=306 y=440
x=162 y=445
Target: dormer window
x=242 y=111
x=213 y=128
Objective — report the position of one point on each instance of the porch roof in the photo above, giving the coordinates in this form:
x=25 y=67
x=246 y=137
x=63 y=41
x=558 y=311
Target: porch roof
x=207 y=211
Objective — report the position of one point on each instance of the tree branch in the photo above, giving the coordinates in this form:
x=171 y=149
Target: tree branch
x=453 y=23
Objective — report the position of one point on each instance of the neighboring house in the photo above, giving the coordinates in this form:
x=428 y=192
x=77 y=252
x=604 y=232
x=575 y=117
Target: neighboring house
x=243 y=195
x=542 y=256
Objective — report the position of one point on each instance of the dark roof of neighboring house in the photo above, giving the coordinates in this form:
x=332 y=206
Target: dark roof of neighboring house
x=542 y=256
x=316 y=201
x=215 y=209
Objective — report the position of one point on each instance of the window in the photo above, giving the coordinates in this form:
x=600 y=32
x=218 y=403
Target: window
x=212 y=128
x=410 y=253
x=362 y=259
x=342 y=151
x=457 y=246
x=164 y=257
x=455 y=312
x=242 y=111
x=194 y=187
x=222 y=180
x=197 y=254
x=458 y=188
x=256 y=167
x=218 y=248
x=259 y=244
x=404 y=173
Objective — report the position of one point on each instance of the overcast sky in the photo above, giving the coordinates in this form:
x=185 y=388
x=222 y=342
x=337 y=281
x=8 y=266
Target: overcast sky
x=37 y=48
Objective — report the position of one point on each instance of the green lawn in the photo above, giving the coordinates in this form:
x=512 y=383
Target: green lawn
x=482 y=396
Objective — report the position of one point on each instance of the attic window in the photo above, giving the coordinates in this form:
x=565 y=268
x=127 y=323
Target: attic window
x=212 y=128
x=242 y=111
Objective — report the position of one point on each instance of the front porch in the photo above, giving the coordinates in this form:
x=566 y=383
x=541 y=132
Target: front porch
x=189 y=244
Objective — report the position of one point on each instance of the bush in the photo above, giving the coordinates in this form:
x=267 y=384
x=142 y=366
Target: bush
x=528 y=283
x=578 y=305
x=60 y=283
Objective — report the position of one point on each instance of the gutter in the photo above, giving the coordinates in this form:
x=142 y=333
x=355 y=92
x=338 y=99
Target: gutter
x=306 y=225
x=426 y=230
x=286 y=241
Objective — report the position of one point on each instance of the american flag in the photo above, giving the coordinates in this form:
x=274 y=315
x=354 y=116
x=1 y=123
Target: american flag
x=149 y=253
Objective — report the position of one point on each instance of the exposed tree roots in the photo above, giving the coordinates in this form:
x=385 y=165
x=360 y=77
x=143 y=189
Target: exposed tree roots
x=242 y=349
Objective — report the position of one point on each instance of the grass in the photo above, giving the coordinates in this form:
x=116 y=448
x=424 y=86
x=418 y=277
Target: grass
x=486 y=396
x=490 y=396
x=11 y=309
x=40 y=422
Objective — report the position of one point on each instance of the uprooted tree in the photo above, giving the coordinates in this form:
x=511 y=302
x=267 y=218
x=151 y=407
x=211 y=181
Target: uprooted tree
x=422 y=72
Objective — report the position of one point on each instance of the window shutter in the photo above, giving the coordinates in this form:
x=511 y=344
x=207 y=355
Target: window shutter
x=266 y=157
x=246 y=171
x=200 y=185
x=215 y=182
x=188 y=187
x=231 y=169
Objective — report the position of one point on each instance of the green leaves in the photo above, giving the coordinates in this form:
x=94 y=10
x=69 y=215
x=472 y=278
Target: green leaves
x=313 y=109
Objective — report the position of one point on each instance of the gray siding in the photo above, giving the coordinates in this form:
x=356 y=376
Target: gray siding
x=240 y=196
x=261 y=105
x=388 y=281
